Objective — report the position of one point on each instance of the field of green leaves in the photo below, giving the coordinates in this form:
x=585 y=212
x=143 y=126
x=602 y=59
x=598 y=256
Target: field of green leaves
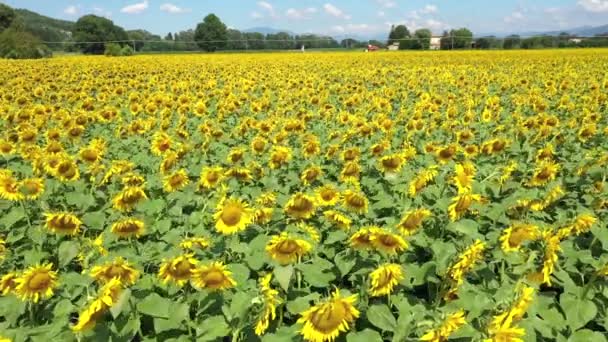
x=305 y=197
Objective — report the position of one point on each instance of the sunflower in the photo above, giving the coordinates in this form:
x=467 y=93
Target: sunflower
x=300 y=206
x=309 y=175
x=210 y=177
x=355 y=201
x=311 y=147
x=235 y=155
x=464 y=176
x=471 y=151
x=128 y=228
x=108 y=296
x=391 y=163
x=442 y=333
x=271 y=300
x=178 y=270
x=31 y=188
x=175 y=181
x=325 y=321
x=447 y=153
x=90 y=154
x=384 y=279
x=513 y=237
x=545 y=153
x=461 y=204
x=37 y=282
x=161 y=143
x=6 y=147
x=2 y=248
x=67 y=170
x=195 y=242
x=350 y=171
x=285 y=249
x=8 y=283
x=387 y=242
x=63 y=223
x=544 y=173
x=267 y=199
x=327 y=195
x=9 y=188
x=362 y=239
x=337 y=218
x=128 y=198
x=258 y=144
x=279 y=156
x=232 y=216
x=119 y=268
x=412 y=220
x=241 y=174
x=213 y=277
x=422 y=179
x=169 y=161
x=133 y=179
x=263 y=215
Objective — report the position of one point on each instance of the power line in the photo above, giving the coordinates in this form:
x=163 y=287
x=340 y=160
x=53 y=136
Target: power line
x=312 y=40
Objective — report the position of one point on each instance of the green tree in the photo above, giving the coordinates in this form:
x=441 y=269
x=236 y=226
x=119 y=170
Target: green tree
x=423 y=39
x=463 y=38
x=511 y=42
x=169 y=36
x=211 y=34
x=7 y=15
x=18 y=44
x=397 y=33
x=91 y=32
x=236 y=40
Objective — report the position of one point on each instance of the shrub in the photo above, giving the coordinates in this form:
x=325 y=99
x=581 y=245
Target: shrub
x=127 y=51
x=17 y=44
x=112 y=49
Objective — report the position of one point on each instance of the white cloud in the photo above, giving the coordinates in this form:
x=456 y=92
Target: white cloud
x=173 y=9
x=596 y=6
x=102 y=12
x=435 y=25
x=514 y=17
x=335 y=11
x=71 y=10
x=338 y=29
x=305 y=13
x=356 y=29
x=387 y=3
x=429 y=9
x=381 y=13
x=256 y=15
x=136 y=8
x=265 y=7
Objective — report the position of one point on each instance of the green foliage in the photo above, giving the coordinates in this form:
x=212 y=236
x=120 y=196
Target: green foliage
x=398 y=32
x=16 y=44
x=91 y=31
x=211 y=34
x=45 y=28
x=113 y=50
x=7 y=15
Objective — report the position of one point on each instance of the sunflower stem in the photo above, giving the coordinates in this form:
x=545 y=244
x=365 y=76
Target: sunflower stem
x=27 y=215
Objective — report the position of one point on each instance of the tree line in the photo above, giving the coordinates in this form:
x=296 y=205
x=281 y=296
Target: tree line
x=22 y=35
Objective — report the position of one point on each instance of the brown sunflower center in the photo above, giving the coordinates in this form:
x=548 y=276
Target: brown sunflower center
x=355 y=201
x=391 y=163
x=447 y=153
x=287 y=247
x=329 y=317
x=214 y=278
x=463 y=203
x=231 y=215
x=183 y=269
x=302 y=204
x=327 y=195
x=39 y=281
x=518 y=236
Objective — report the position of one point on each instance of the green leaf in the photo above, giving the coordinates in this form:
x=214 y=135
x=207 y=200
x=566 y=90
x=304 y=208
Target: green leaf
x=283 y=274
x=381 y=317
x=94 y=220
x=366 y=335
x=587 y=335
x=13 y=216
x=465 y=227
x=123 y=299
x=80 y=200
x=344 y=262
x=240 y=304
x=301 y=304
x=154 y=305
x=67 y=251
x=578 y=311
x=179 y=313
x=314 y=275
x=212 y=329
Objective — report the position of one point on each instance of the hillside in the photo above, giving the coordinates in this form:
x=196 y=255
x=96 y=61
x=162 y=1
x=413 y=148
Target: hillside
x=46 y=28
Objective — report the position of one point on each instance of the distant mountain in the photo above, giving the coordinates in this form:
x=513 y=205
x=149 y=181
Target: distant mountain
x=583 y=31
x=266 y=30
x=46 y=28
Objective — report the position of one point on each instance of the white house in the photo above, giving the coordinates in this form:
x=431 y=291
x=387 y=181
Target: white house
x=393 y=47
x=435 y=43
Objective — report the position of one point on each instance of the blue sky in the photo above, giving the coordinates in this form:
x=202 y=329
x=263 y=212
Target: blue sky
x=336 y=17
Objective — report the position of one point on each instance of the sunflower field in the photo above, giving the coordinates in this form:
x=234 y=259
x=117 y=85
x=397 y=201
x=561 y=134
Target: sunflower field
x=305 y=197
